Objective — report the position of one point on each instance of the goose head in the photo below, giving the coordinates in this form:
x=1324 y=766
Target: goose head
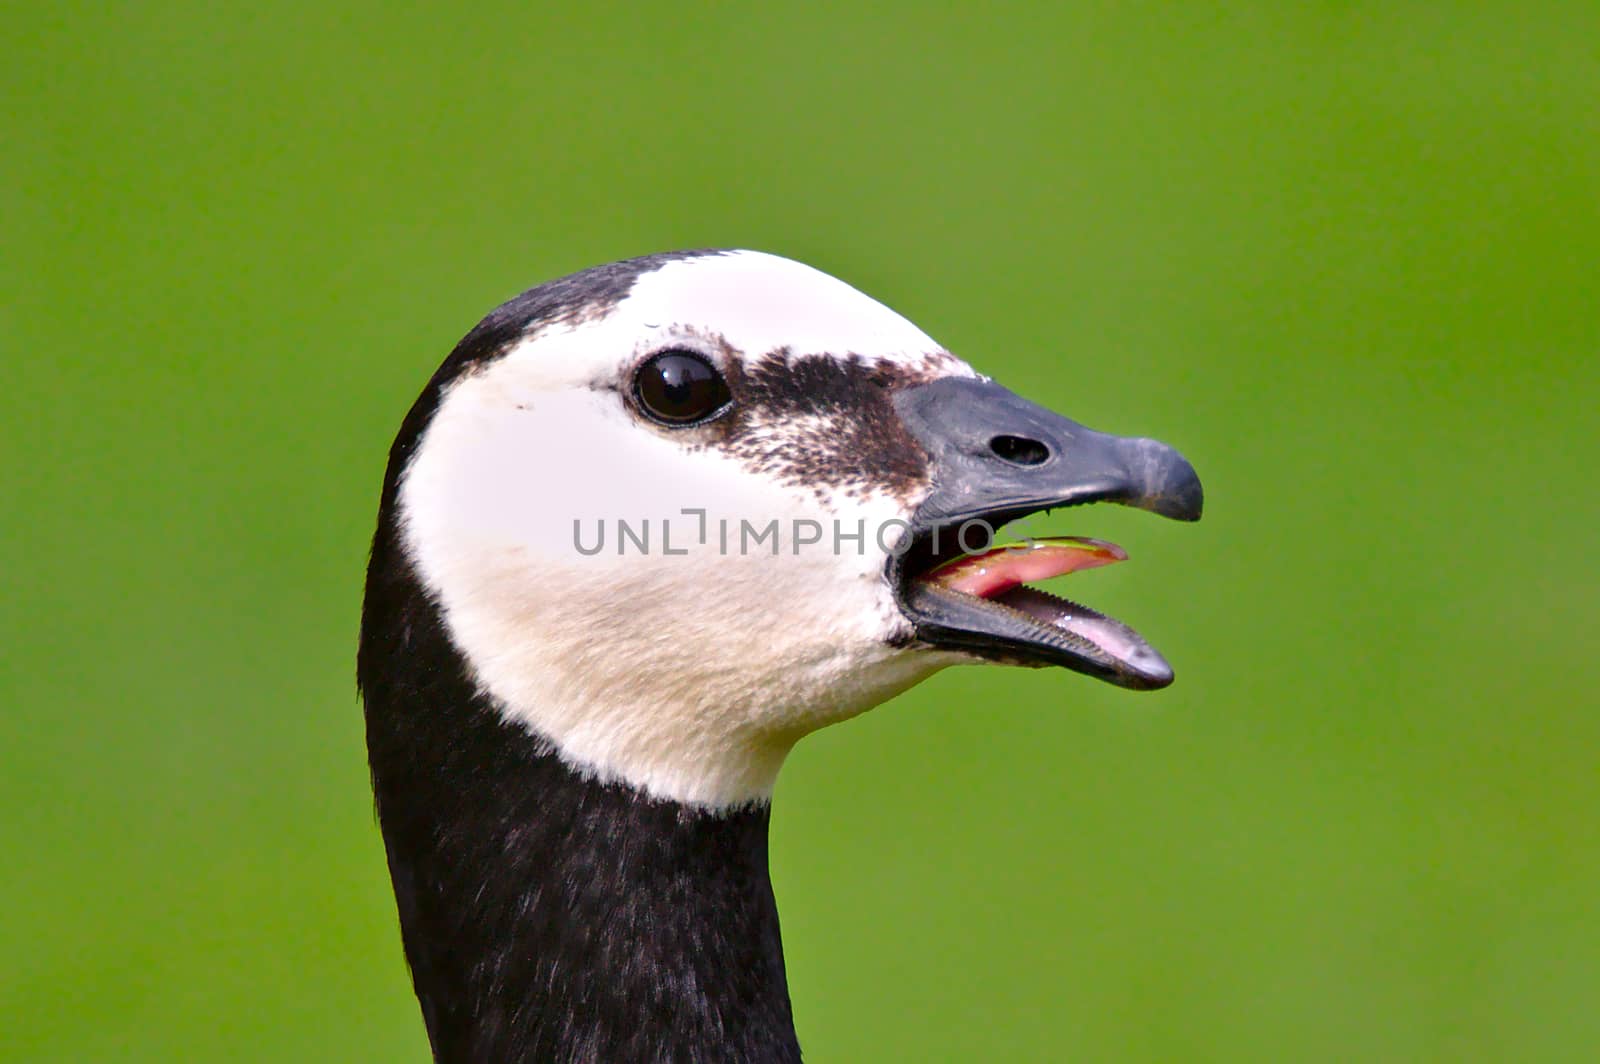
x=678 y=512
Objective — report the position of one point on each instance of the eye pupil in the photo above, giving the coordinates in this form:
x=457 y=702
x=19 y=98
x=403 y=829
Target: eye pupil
x=677 y=387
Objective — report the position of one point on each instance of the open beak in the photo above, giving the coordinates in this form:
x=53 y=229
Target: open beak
x=997 y=457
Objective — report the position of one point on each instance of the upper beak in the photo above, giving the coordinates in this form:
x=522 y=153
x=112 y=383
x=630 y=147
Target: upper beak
x=995 y=457
x=995 y=452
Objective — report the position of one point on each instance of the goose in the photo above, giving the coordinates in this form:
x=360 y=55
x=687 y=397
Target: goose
x=646 y=527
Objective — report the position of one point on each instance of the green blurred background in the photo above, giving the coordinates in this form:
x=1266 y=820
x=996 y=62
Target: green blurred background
x=1341 y=254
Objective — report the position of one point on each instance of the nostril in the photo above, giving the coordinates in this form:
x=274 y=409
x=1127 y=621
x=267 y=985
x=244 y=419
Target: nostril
x=1019 y=450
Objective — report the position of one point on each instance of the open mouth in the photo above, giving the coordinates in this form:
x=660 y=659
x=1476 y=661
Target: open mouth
x=981 y=603
x=995 y=457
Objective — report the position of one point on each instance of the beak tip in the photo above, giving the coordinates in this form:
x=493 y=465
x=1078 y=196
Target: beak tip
x=1189 y=500
x=1173 y=485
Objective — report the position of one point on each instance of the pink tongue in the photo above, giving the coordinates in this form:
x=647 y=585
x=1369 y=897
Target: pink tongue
x=1003 y=568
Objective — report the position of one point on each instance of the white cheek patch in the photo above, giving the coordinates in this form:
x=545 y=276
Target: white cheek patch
x=685 y=658
x=676 y=610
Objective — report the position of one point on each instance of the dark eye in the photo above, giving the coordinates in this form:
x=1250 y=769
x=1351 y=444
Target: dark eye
x=680 y=388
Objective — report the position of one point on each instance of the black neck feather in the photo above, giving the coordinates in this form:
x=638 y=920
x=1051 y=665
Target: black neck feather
x=546 y=916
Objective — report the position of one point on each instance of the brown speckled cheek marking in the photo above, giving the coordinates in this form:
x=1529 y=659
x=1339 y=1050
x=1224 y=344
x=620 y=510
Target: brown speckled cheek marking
x=826 y=422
